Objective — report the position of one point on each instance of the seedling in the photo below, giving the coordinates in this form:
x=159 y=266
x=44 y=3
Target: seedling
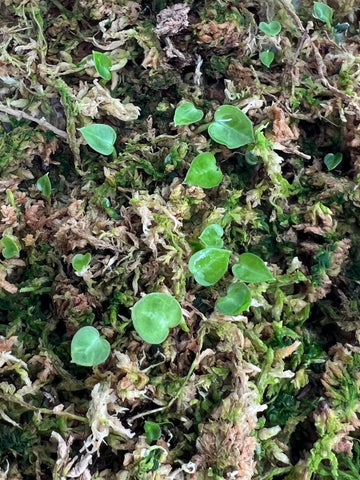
x=203 y=171
x=323 y=12
x=209 y=265
x=102 y=64
x=10 y=246
x=251 y=268
x=81 y=263
x=272 y=29
x=332 y=160
x=231 y=127
x=267 y=57
x=99 y=137
x=44 y=185
x=88 y=348
x=211 y=236
x=186 y=113
x=153 y=316
x=237 y=299
x=152 y=432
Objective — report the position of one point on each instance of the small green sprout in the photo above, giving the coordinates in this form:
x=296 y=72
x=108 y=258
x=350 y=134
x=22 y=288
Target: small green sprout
x=203 y=171
x=237 y=299
x=44 y=185
x=102 y=64
x=272 y=29
x=252 y=268
x=209 y=265
x=100 y=137
x=81 y=263
x=88 y=348
x=323 y=12
x=186 y=113
x=231 y=127
x=153 y=316
x=267 y=57
x=10 y=246
x=332 y=160
x=211 y=236
x=152 y=432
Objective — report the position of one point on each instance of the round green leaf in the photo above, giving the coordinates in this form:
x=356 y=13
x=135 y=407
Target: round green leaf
x=154 y=314
x=251 y=268
x=100 y=137
x=88 y=348
x=211 y=236
x=323 y=12
x=272 y=29
x=204 y=172
x=231 y=127
x=81 y=262
x=209 y=265
x=332 y=161
x=186 y=113
x=11 y=247
x=102 y=64
x=44 y=185
x=152 y=432
x=267 y=58
x=237 y=300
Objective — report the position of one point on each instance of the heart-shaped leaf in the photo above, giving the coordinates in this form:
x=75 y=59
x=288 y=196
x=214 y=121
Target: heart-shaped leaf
x=100 y=137
x=209 y=265
x=154 y=314
x=88 y=348
x=272 y=29
x=81 y=262
x=186 y=113
x=231 y=127
x=102 y=64
x=332 y=161
x=237 y=299
x=11 y=246
x=267 y=58
x=203 y=171
x=251 y=268
x=211 y=236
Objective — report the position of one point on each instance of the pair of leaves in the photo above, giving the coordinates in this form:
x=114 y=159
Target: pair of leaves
x=153 y=316
x=88 y=348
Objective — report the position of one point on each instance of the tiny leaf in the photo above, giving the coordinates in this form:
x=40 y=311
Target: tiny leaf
x=273 y=28
x=154 y=314
x=267 y=58
x=81 y=262
x=203 y=171
x=237 y=299
x=323 y=12
x=11 y=246
x=44 y=185
x=102 y=64
x=333 y=160
x=231 y=127
x=186 y=113
x=88 y=348
x=152 y=432
x=209 y=265
x=251 y=268
x=99 y=137
x=211 y=236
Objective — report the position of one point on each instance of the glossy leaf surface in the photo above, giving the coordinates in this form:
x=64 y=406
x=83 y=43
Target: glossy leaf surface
x=209 y=265
x=211 y=236
x=252 y=269
x=231 y=127
x=102 y=64
x=186 y=113
x=203 y=171
x=99 y=137
x=237 y=299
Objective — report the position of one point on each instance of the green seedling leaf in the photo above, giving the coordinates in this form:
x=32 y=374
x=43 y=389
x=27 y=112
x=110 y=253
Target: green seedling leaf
x=267 y=58
x=99 y=137
x=323 y=12
x=81 y=262
x=333 y=160
x=11 y=246
x=237 y=299
x=211 y=236
x=209 y=265
x=154 y=315
x=88 y=348
x=231 y=127
x=272 y=29
x=44 y=185
x=203 y=171
x=251 y=268
x=152 y=432
x=186 y=113
x=102 y=64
